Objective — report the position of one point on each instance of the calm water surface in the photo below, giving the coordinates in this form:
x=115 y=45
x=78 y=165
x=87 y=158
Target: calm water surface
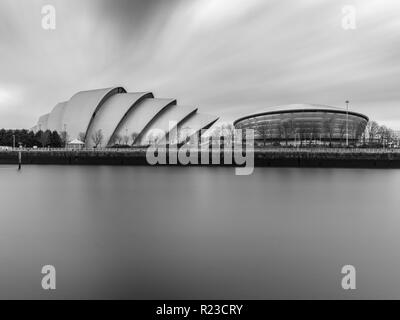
x=166 y=233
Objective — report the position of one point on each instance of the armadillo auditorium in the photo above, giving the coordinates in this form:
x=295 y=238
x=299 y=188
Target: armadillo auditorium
x=118 y=113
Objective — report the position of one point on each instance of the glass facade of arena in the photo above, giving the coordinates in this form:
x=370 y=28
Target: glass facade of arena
x=302 y=126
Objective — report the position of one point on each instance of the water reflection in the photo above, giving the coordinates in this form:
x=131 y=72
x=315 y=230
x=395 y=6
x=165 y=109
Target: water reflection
x=157 y=232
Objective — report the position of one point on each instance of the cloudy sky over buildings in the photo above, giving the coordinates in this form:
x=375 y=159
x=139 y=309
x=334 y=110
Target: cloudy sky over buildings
x=228 y=57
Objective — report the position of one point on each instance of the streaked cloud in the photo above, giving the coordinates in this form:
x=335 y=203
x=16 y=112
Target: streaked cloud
x=228 y=57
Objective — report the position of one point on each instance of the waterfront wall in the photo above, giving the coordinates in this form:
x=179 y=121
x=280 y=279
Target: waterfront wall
x=351 y=158
x=339 y=157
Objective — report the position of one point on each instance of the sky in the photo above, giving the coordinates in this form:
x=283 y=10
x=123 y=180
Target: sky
x=226 y=57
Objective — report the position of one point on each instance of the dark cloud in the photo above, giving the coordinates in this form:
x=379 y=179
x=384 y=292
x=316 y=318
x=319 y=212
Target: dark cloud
x=133 y=19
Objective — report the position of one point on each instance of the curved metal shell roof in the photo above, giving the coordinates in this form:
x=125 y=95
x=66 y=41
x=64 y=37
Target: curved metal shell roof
x=112 y=112
x=174 y=114
x=140 y=116
x=303 y=107
x=196 y=122
x=82 y=108
x=115 y=112
x=55 y=121
x=42 y=123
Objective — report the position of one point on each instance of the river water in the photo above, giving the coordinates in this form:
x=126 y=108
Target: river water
x=199 y=232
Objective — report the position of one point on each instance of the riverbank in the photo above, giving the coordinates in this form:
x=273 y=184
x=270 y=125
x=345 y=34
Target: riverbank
x=273 y=157
x=338 y=157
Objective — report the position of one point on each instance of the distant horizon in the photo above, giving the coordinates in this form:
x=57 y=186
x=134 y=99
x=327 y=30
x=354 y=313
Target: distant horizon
x=226 y=57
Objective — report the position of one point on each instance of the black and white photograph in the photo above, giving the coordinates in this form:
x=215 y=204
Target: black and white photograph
x=199 y=150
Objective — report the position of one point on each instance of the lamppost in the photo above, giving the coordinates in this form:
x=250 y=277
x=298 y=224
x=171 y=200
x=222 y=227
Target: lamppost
x=347 y=123
x=65 y=136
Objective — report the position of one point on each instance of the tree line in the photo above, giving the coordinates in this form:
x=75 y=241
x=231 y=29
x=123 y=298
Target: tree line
x=374 y=134
x=379 y=135
x=54 y=139
x=29 y=139
x=117 y=140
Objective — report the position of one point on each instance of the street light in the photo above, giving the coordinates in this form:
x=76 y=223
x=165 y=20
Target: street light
x=65 y=136
x=347 y=123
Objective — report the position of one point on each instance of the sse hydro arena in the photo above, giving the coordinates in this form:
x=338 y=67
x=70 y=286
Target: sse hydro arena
x=121 y=116
x=304 y=124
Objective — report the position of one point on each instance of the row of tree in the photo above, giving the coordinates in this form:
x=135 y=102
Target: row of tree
x=30 y=139
x=97 y=139
x=53 y=139
x=379 y=135
x=373 y=135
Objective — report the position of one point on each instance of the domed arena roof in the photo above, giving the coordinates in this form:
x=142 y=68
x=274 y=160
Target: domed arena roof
x=299 y=107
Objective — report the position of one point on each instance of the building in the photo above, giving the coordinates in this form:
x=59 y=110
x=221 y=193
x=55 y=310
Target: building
x=75 y=144
x=304 y=124
x=106 y=117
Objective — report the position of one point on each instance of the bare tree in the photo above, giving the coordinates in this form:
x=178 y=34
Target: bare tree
x=386 y=135
x=82 y=136
x=381 y=134
x=134 y=136
x=119 y=139
x=64 y=138
x=150 y=138
x=154 y=137
x=97 y=138
x=215 y=134
x=395 y=137
x=45 y=138
x=184 y=134
x=216 y=131
x=125 y=140
x=285 y=130
x=378 y=134
x=303 y=135
x=227 y=131
x=372 y=128
x=358 y=132
x=342 y=131
x=352 y=131
x=364 y=136
x=116 y=139
x=391 y=135
x=314 y=133
x=291 y=127
x=329 y=128
x=264 y=131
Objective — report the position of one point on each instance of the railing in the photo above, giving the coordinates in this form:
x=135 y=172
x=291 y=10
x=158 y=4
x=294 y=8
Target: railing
x=328 y=150
x=215 y=148
x=119 y=150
